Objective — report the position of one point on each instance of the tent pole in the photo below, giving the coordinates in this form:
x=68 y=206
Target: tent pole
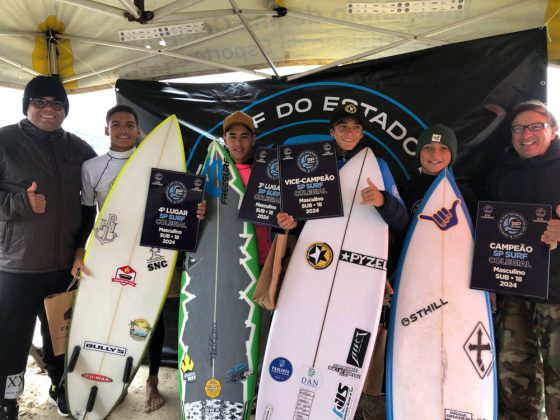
x=97 y=7
x=239 y=14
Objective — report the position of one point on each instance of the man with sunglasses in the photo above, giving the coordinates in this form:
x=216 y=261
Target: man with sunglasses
x=527 y=330
x=40 y=229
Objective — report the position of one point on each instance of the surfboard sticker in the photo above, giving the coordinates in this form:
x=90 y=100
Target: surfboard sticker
x=117 y=306
x=441 y=354
x=321 y=337
x=219 y=323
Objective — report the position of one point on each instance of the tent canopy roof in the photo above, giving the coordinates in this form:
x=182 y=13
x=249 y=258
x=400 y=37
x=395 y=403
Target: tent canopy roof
x=91 y=43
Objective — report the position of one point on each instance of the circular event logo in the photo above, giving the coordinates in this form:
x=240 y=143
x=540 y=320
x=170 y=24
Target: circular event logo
x=512 y=225
x=319 y=255
x=213 y=387
x=308 y=161
x=272 y=170
x=540 y=212
x=176 y=192
x=280 y=369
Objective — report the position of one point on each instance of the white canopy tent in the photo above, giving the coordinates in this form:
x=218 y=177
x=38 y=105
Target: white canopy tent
x=91 y=43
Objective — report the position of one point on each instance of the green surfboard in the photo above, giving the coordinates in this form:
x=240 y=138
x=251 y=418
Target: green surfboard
x=218 y=321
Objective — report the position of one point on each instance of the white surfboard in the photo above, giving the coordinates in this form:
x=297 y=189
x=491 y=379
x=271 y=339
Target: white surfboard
x=117 y=307
x=323 y=330
x=441 y=355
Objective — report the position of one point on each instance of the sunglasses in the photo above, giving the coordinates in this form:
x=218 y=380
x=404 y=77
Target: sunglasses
x=42 y=103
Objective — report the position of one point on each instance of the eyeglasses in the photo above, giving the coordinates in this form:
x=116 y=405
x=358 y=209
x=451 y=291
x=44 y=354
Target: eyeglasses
x=520 y=129
x=42 y=103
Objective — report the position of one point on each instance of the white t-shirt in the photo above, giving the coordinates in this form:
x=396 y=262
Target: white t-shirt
x=98 y=175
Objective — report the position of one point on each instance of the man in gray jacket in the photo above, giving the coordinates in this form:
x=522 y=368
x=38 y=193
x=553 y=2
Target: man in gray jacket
x=41 y=226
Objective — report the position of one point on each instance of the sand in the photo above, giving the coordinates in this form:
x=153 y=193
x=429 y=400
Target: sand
x=34 y=400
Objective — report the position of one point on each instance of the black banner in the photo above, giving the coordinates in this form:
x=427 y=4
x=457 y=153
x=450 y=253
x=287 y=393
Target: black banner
x=469 y=86
x=509 y=256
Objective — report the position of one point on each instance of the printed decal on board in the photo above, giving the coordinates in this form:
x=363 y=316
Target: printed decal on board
x=319 y=255
x=310 y=377
x=139 y=329
x=106 y=231
x=342 y=400
x=213 y=342
x=457 y=415
x=97 y=377
x=423 y=312
x=280 y=369
x=156 y=260
x=105 y=348
x=358 y=348
x=444 y=218
x=479 y=349
x=346 y=371
x=187 y=368
x=213 y=387
x=237 y=374
x=126 y=276
x=303 y=404
x=363 y=260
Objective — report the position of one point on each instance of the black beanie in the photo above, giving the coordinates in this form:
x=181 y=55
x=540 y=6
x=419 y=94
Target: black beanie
x=438 y=133
x=42 y=86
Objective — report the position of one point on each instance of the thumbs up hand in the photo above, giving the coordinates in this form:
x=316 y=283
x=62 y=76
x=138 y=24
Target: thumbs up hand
x=372 y=195
x=38 y=202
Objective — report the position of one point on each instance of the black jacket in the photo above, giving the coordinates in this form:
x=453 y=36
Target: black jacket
x=414 y=190
x=535 y=180
x=30 y=242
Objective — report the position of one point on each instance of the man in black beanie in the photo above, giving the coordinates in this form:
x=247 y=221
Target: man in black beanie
x=41 y=226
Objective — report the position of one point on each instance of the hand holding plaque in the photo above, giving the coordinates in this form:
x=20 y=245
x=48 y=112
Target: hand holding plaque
x=551 y=235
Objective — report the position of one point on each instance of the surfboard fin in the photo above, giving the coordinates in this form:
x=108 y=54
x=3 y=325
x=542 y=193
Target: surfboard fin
x=73 y=359
x=71 y=363
x=91 y=399
x=127 y=369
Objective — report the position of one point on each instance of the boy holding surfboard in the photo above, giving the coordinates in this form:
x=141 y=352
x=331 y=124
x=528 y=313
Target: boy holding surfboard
x=347 y=128
x=98 y=176
x=436 y=150
x=240 y=138
x=435 y=266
